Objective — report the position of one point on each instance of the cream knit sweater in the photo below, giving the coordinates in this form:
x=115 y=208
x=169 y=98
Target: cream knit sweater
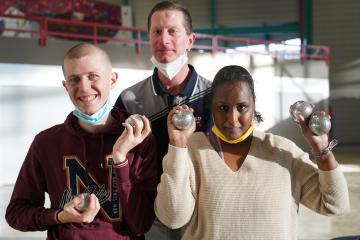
x=259 y=201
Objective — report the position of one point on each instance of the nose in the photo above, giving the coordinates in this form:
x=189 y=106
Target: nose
x=165 y=37
x=84 y=83
x=233 y=117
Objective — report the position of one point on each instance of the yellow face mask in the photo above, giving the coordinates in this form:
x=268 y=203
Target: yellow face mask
x=217 y=132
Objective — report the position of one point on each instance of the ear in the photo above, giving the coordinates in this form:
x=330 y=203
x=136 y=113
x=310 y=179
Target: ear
x=64 y=85
x=114 y=78
x=191 y=41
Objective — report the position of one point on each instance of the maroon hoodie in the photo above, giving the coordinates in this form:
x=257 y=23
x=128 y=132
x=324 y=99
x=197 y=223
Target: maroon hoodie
x=64 y=161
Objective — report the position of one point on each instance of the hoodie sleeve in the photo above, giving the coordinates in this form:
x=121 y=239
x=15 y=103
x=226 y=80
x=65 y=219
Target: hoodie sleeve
x=26 y=211
x=137 y=182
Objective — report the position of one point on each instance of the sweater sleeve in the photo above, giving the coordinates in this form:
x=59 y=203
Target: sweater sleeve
x=325 y=192
x=136 y=185
x=26 y=211
x=175 y=202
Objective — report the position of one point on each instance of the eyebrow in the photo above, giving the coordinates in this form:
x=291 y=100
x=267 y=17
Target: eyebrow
x=80 y=74
x=224 y=102
x=167 y=27
x=74 y=75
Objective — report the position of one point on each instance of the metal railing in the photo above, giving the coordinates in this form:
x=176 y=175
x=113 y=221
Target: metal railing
x=100 y=32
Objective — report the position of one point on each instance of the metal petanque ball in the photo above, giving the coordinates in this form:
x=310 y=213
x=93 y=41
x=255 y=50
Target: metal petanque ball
x=300 y=108
x=319 y=123
x=138 y=118
x=183 y=119
x=84 y=203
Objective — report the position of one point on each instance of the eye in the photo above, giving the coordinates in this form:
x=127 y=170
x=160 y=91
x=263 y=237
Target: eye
x=223 y=108
x=73 y=80
x=241 y=108
x=172 y=31
x=93 y=77
x=156 y=32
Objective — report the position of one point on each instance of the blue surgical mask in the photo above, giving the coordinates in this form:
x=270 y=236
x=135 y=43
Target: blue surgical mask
x=96 y=117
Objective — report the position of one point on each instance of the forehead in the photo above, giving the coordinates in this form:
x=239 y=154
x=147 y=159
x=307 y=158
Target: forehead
x=93 y=62
x=232 y=90
x=167 y=18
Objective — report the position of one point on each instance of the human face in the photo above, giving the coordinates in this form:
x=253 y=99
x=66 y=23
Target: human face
x=233 y=108
x=168 y=37
x=88 y=82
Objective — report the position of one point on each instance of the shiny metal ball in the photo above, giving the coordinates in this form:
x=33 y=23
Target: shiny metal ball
x=138 y=118
x=319 y=123
x=183 y=119
x=84 y=203
x=300 y=108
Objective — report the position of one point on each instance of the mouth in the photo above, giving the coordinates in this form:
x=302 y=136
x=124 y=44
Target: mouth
x=232 y=128
x=87 y=98
x=165 y=50
x=232 y=131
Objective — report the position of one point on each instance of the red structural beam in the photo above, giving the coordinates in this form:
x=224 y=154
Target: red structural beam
x=99 y=32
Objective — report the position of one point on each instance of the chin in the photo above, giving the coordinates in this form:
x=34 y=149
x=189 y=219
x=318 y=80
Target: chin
x=232 y=138
x=88 y=111
x=166 y=58
x=233 y=135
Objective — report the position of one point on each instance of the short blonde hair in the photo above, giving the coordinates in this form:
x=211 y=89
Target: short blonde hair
x=84 y=49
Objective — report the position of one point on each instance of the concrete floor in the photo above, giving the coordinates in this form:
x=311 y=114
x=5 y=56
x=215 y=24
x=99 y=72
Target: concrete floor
x=312 y=226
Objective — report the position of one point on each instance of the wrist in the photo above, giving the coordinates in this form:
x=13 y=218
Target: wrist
x=325 y=151
x=119 y=158
x=59 y=216
x=178 y=143
x=120 y=164
x=319 y=147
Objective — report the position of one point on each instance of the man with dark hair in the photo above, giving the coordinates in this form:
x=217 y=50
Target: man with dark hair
x=174 y=82
x=93 y=159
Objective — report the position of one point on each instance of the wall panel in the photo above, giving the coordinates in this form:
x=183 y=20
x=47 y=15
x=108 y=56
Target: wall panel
x=199 y=10
x=336 y=24
x=249 y=12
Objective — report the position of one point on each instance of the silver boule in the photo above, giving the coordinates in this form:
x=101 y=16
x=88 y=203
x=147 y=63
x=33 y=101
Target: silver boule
x=319 y=123
x=137 y=118
x=183 y=119
x=84 y=203
x=300 y=108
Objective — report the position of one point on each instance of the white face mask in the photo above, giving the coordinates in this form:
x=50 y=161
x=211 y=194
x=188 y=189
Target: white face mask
x=172 y=68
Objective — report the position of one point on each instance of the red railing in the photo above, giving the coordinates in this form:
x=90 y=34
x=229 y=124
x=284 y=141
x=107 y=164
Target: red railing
x=99 y=32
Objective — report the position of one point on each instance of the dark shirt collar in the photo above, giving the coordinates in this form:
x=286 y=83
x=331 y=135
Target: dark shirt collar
x=191 y=80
